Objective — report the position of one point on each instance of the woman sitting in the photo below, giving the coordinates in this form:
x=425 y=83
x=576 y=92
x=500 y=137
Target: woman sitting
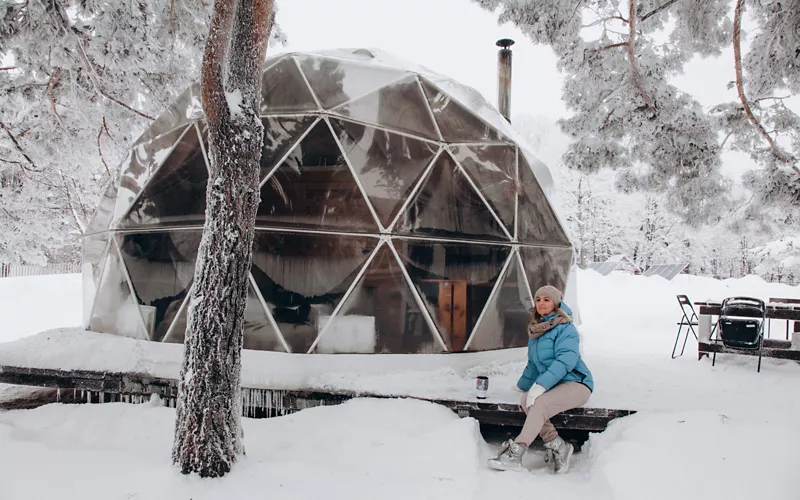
x=555 y=380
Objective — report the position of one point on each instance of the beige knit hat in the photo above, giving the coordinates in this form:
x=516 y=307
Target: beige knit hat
x=550 y=292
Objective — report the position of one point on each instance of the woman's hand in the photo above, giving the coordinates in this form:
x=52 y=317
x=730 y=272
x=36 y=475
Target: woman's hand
x=536 y=391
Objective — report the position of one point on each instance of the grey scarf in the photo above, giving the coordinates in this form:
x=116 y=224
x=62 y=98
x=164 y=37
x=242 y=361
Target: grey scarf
x=536 y=330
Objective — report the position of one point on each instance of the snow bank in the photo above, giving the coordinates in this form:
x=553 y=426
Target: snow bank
x=364 y=449
x=32 y=304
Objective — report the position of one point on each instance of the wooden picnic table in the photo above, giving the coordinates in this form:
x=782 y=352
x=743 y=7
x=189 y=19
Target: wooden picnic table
x=771 y=348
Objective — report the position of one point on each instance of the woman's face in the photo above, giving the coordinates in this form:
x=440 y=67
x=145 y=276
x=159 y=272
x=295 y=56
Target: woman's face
x=544 y=305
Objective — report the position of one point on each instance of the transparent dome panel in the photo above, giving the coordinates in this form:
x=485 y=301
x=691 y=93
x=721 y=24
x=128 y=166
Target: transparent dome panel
x=493 y=171
x=546 y=266
x=115 y=310
x=284 y=90
x=388 y=165
x=448 y=206
x=397 y=106
x=314 y=188
x=140 y=163
x=380 y=315
x=280 y=135
x=104 y=213
x=538 y=222
x=455 y=281
x=505 y=318
x=161 y=266
x=303 y=277
x=456 y=122
x=335 y=81
x=176 y=193
x=94 y=249
x=186 y=108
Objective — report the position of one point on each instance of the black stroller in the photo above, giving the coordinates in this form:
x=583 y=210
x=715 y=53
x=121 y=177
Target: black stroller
x=741 y=325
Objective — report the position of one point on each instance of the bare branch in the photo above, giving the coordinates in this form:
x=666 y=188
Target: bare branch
x=737 y=58
x=613 y=46
x=8 y=68
x=100 y=149
x=656 y=10
x=771 y=98
x=33 y=168
x=637 y=76
x=50 y=87
x=10 y=161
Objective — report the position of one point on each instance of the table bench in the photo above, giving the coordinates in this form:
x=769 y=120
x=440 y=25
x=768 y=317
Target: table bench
x=782 y=349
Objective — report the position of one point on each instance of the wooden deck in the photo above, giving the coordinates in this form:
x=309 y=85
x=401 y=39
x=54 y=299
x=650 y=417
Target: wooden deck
x=97 y=387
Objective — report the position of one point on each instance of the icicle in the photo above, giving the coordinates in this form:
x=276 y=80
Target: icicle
x=58 y=395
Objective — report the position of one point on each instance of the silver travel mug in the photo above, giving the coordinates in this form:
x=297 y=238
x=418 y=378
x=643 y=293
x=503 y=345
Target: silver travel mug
x=482 y=387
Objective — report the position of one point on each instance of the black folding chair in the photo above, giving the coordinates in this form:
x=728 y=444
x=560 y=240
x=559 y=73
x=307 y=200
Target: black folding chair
x=689 y=320
x=741 y=325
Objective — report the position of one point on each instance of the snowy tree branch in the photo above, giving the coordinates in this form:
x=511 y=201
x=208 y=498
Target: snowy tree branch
x=54 y=79
x=8 y=68
x=98 y=85
x=656 y=10
x=637 y=76
x=737 y=56
x=100 y=149
x=612 y=46
x=17 y=145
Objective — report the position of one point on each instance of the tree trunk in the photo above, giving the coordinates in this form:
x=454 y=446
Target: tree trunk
x=208 y=438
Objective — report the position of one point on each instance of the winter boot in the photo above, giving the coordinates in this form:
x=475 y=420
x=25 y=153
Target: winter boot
x=559 y=452
x=510 y=458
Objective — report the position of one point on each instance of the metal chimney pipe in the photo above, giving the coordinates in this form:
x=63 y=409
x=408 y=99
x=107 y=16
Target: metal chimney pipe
x=504 y=77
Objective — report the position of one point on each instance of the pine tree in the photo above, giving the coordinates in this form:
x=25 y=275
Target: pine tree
x=208 y=426
x=618 y=59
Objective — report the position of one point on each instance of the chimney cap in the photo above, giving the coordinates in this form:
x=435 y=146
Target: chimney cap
x=505 y=43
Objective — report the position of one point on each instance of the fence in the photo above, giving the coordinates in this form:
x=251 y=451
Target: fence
x=14 y=270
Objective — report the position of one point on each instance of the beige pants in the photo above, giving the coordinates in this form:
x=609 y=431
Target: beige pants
x=565 y=396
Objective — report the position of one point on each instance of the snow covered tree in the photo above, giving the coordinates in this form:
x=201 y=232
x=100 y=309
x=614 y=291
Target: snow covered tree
x=79 y=81
x=618 y=58
x=83 y=78
x=208 y=426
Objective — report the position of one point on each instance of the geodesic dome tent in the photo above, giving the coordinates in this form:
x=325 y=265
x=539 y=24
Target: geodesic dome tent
x=399 y=214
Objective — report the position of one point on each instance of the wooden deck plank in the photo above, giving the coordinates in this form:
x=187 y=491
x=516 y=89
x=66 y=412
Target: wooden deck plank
x=269 y=402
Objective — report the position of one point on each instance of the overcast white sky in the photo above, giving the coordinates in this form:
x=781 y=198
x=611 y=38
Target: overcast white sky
x=457 y=38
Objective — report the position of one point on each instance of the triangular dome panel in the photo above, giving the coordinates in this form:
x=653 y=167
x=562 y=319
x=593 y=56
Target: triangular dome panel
x=115 y=310
x=186 y=108
x=283 y=89
x=537 y=223
x=280 y=135
x=259 y=334
x=456 y=122
x=104 y=213
x=380 y=315
x=493 y=170
x=336 y=81
x=447 y=206
x=303 y=277
x=546 y=266
x=161 y=265
x=455 y=281
x=176 y=193
x=314 y=188
x=388 y=165
x=397 y=106
x=94 y=250
x=140 y=163
x=505 y=319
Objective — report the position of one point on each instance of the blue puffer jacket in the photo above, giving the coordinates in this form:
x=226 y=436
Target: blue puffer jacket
x=554 y=358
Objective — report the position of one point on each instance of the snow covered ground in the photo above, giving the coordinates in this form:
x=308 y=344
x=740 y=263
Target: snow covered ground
x=701 y=432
